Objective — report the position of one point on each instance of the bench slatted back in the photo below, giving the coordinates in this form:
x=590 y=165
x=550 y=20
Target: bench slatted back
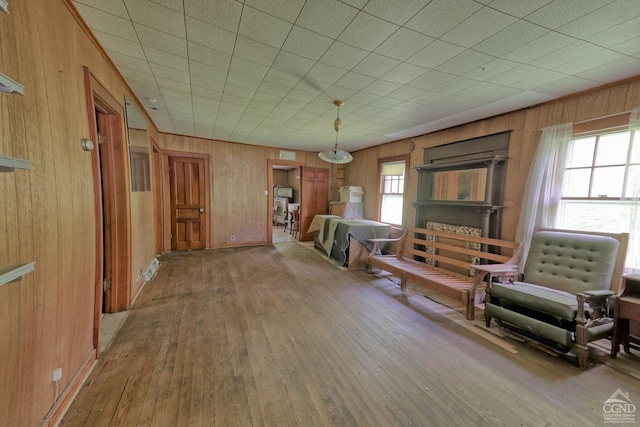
x=433 y=244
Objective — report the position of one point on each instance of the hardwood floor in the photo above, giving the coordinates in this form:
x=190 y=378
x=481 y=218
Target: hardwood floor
x=276 y=336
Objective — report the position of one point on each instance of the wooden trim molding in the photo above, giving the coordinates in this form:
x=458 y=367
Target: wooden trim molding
x=158 y=196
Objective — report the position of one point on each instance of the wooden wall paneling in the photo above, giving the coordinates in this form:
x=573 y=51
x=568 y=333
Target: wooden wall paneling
x=569 y=110
x=498 y=124
x=138 y=138
x=617 y=99
x=142 y=237
x=585 y=109
x=69 y=172
x=11 y=134
x=39 y=296
x=43 y=47
x=511 y=194
x=251 y=220
x=142 y=208
x=633 y=95
x=10 y=354
x=238 y=181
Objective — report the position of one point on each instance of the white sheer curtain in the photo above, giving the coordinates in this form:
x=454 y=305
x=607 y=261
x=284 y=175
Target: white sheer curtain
x=541 y=197
x=633 y=251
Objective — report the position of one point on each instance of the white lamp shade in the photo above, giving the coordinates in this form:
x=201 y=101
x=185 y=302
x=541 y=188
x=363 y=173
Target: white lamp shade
x=336 y=156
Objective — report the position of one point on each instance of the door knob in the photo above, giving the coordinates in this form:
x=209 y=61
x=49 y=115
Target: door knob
x=201 y=210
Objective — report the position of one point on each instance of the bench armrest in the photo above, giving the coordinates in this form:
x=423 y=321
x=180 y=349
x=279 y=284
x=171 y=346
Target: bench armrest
x=399 y=240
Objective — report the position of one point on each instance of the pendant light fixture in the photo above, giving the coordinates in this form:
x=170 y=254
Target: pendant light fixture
x=336 y=156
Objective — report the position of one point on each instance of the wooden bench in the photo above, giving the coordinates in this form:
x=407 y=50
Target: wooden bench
x=442 y=261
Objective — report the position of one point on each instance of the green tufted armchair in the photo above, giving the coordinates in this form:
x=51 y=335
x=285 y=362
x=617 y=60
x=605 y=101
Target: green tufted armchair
x=562 y=300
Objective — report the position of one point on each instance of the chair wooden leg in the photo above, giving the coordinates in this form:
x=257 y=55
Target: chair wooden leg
x=487 y=300
x=583 y=356
x=618 y=328
x=582 y=350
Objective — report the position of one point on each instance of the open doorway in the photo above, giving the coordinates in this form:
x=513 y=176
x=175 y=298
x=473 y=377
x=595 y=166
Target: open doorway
x=282 y=175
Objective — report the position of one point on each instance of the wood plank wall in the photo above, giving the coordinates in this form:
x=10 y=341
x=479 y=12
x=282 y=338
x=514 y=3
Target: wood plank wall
x=47 y=214
x=142 y=226
x=238 y=180
x=525 y=126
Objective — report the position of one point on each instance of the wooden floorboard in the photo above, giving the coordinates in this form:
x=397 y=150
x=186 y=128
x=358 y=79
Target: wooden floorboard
x=276 y=336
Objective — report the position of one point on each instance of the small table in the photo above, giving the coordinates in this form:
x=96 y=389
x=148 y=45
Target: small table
x=508 y=271
x=627 y=308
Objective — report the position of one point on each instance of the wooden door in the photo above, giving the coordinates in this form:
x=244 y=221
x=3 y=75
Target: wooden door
x=314 y=199
x=116 y=232
x=187 y=188
x=108 y=304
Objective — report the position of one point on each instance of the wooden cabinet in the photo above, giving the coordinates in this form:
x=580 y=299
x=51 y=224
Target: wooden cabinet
x=627 y=310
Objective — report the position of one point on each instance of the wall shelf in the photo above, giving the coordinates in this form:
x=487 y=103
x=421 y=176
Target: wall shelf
x=466 y=204
x=456 y=165
x=4 y=6
x=9 y=164
x=8 y=85
x=14 y=273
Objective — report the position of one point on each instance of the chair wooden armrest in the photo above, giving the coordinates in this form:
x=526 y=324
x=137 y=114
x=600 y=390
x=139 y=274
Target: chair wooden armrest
x=597 y=303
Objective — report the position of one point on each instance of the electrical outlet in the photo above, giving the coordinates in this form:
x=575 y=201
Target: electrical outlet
x=233 y=238
x=57 y=374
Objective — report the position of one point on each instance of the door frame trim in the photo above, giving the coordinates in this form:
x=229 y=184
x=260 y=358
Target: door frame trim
x=270 y=164
x=96 y=95
x=166 y=203
x=158 y=197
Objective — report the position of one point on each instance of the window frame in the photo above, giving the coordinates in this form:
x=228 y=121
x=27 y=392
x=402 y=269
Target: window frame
x=406 y=158
x=634 y=138
x=599 y=128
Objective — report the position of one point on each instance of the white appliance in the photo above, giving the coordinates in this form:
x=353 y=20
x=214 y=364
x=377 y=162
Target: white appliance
x=284 y=192
x=280 y=209
x=351 y=194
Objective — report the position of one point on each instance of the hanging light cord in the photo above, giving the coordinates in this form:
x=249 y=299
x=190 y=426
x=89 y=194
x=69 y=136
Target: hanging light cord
x=336 y=126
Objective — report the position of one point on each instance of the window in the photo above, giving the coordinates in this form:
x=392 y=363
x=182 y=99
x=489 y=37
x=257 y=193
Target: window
x=392 y=184
x=140 y=169
x=601 y=187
